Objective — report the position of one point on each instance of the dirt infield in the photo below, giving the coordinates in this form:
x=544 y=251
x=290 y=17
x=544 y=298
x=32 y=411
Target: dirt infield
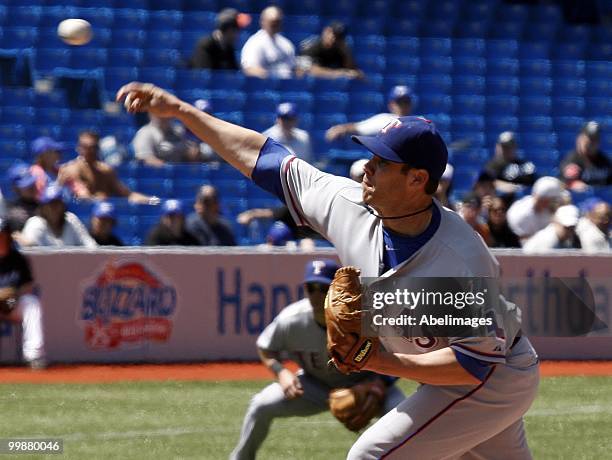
x=220 y=372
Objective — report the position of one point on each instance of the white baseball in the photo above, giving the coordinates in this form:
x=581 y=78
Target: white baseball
x=75 y=31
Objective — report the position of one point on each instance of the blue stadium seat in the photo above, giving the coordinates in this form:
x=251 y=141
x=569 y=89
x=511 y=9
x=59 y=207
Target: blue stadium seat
x=18 y=96
x=466 y=84
x=258 y=121
x=535 y=106
x=48 y=39
x=19 y=37
x=478 y=10
x=168 y=19
x=468 y=105
x=403 y=64
x=115 y=77
x=296 y=84
x=569 y=87
x=406 y=26
x=127 y=38
x=163 y=77
x=403 y=46
x=441 y=120
x=135 y=19
x=541 y=31
x=535 y=50
x=374 y=44
x=37 y=130
x=599 y=69
x=263 y=102
x=546 y=13
x=535 y=124
x=506 y=48
x=330 y=102
x=229 y=80
x=468 y=47
x=13 y=150
x=598 y=87
x=467 y=123
x=566 y=141
x=473 y=29
x=320 y=85
x=570 y=50
x=434 y=83
x=569 y=124
x=535 y=86
x=535 y=67
x=200 y=21
x=337 y=8
x=502 y=85
x=371 y=63
x=304 y=100
x=438 y=28
x=435 y=103
x=568 y=106
x=366 y=103
x=373 y=83
x=52 y=116
x=501 y=105
x=86 y=117
x=464 y=178
x=368 y=26
x=435 y=47
x=436 y=65
x=498 y=124
x=508 y=30
x=392 y=80
x=469 y=66
x=17 y=114
x=575 y=33
x=309 y=24
x=98 y=17
x=189 y=40
x=157 y=187
x=24 y=16
x=568 y=69
x=12 y=131
x=444 y=9
x=600 y=51
x=538 y=141
x=164 y=38
x=53 y=15
x=193 y=79
x=50 y=99
x=302 y=7
x=502 y=67
x=235 y=101
x=161 y=58
x=88 y=58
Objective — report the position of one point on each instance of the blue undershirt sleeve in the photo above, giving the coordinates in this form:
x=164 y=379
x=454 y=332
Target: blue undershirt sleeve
x=266 y=173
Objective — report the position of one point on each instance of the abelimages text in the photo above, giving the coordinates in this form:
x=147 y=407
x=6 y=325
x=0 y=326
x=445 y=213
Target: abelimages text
x=430 y=320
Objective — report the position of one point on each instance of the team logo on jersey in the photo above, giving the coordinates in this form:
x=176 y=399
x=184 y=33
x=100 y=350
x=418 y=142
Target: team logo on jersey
x=126 y=304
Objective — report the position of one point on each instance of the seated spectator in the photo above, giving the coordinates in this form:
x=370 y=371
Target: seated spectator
x=470 y=212
x=25 y=203
x=171 y=230
x=47 y=155
x=509 y=171
x=357 y=172
x=54 y=226
x=400 y=105
x=15 y=273
x=533 y=212
x=560 y=233
x=445 y=187
x=161 y=141
x=102 y=223
x=206 y=223
x=484 y=188
x=594 y=228
x=587 y=165
x=286 y=132
x=501 y=234
x=91 y=179
x=329 y=56
x=267 y=53
x=277 y=214
x=217 y=50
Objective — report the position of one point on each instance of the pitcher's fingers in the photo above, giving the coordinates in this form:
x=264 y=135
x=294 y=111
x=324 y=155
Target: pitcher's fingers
x=127 y=88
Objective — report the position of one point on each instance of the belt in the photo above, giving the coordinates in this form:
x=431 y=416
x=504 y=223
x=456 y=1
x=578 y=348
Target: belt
x=518 y=336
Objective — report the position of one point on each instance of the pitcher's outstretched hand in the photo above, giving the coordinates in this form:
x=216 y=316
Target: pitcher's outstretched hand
x=146 y=97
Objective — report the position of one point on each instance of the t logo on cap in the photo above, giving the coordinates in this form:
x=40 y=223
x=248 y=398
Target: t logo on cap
x=317 y=266
x=392 y=124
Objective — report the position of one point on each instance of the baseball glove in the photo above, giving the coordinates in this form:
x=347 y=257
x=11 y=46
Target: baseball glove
x=354 y=407
x=349 y=351
x=8 y=300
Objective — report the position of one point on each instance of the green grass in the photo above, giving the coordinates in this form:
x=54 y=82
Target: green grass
x=572 y=418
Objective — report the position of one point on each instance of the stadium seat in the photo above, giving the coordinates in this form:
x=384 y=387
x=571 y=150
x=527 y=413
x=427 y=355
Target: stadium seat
x=470 y=66
x=535 y=124
x=535 y=50
x=157 y=187
x=502 y=85
x=330 y=102
x=600 y=51
x=473 y=29
x=502 y=67
x=115 y=77
x=570 y=50
x=501 y=105
x=465 y=84
x=569 y=87
x=135 y=19
x=467 y=123
x=321 y=85
x=478 y=10
x=569 y=69
x=403 y=46
x=52 y=116
x=568 y=106
x=50 y=99
x=18 y=96
x=541 y=31
x=435 y=103
x=126 y=38
x=535 y=86
x=258 y=121
x=598 y=87
x=575 y=33
x=374 y=44
x=88 y=58
x=435 y=47
x=12 y=131
x=19 y=37
x=17 y=114
x=535 y=67
x=507 y=30
x=434 y=84
x=438 y=28
x=371 y=63
x=498 y=124
x=546 y=13
x=232 y=101
x=161 y=58
x=160 y=76
x=570 y=124
x=599 y=69
x=535 y=106
x=13 y=150
x=538 y=141
x=98 y=17
x=468 y=105
x=403 y=64
x=167 y=19
x=309 y=24
x=24 y=16
x=464 y=178
x=508 y=49
x=468 y=47
x=370 y=25
x=436 y=65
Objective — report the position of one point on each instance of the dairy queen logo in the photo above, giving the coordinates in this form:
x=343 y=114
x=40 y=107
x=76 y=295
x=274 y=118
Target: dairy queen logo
x=127 y=304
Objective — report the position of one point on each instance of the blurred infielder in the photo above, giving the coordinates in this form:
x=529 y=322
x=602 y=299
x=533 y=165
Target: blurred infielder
x=298 y=332
x=474 y=391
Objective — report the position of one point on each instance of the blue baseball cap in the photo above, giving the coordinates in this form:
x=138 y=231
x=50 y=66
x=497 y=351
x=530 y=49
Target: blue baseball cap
x=51 y=193
x=44 y=144
x=320 y=271
x=17 y=170
x=103 y=209
x=203 y=105
x=414 y=141
x=400 y=92
x=172 y=207
x=279 y=234
x=27 y=180
x=286 y=110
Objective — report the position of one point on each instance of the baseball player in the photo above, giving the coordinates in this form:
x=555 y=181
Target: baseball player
x=474 y=391
x=299 y=332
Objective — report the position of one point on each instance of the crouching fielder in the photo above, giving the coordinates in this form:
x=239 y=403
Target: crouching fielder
x=474 y=391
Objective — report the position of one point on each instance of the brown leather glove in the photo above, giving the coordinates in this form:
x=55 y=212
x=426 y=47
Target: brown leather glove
x=349 y=351
x=354 y=407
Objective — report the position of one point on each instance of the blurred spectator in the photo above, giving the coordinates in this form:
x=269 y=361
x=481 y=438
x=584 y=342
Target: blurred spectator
x=509 y=171
x=558 y=234
x=282 y=214
x=533 y=212
x=587 y=165
x=286 y=132
x=267 y=53
x=594 y=228
x=25 y=203
x=89 y=178
x=484 y=188
x=2 y=204
x=217 y=50
x=162 y=141
x=279 y=234
x=171 y=230
x=54 y=226
x=357 y=172
x=206 y=224
x=112 y=152
x=400 y=105
x=15 y=273
x=207 y=155
x=47 y=155
x=102 y=223
x=329 y=56
x=445 y=187
x=501 y=234
x=470 y=211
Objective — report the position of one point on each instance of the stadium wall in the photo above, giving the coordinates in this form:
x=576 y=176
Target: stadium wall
x=169 y=305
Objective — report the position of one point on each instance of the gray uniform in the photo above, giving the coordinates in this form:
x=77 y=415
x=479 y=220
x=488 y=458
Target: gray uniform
x=436 y=421
x=294 y=332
